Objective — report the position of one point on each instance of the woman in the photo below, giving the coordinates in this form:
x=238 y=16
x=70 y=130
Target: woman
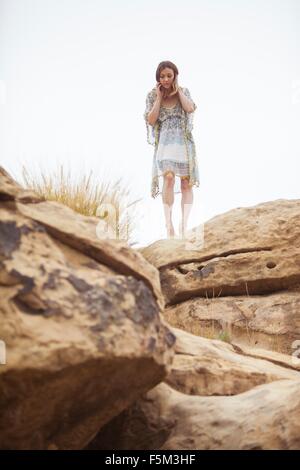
x=169 y=112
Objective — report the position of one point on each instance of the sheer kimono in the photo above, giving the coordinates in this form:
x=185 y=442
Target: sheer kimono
x=174 y=146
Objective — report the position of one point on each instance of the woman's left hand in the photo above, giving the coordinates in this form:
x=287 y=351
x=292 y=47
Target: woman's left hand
x=176 y=89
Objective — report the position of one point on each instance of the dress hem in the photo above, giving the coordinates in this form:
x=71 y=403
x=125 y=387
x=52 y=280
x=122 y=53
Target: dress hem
x=156 y=192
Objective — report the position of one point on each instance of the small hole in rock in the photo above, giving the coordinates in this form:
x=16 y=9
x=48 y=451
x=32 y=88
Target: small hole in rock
x=182 y=270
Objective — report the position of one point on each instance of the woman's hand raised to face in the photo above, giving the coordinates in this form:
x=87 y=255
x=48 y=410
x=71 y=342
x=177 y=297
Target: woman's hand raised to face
x=175 y=87
x=159 y=91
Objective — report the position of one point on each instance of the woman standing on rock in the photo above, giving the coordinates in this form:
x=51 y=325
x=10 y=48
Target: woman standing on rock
x=169 y=112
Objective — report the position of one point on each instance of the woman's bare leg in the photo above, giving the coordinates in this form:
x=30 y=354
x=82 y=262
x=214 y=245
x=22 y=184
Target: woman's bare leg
x=168 y=201
x=186 y=204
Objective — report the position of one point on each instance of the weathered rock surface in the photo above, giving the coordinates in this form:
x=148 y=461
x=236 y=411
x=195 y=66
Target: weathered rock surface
x=206 y=367
x=270 y=321
x=92 y=363
x=163 y=419
x=265 y=417
x=81 y=320
x=244 y=274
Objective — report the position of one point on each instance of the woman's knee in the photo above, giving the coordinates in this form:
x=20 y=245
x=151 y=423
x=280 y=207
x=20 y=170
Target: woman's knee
x=169 y=177
x=185 y=183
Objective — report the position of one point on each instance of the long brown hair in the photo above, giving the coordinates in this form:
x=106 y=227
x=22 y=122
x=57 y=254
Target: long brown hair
x=170 y=65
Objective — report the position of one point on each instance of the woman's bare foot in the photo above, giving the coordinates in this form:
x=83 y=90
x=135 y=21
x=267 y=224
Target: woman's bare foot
x=170 y=231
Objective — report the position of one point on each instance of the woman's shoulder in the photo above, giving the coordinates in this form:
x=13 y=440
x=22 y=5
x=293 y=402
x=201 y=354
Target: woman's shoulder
x=152 y=93
x=185 y=89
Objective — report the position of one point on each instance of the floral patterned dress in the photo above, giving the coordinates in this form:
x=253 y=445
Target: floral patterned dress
x=174 y=145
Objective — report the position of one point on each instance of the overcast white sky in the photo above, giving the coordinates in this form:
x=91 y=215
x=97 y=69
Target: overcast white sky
x=75 y=74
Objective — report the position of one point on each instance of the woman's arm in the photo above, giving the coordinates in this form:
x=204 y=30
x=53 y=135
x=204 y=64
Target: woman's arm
x=154 y=113
x=186 y=103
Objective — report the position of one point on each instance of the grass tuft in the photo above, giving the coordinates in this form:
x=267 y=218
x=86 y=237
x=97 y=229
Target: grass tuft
x=110 y=201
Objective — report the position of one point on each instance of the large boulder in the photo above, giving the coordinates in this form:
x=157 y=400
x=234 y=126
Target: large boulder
x=207 y=367
x=81 y=320
x=238 y=272
x=266 y=417
x=193 y=419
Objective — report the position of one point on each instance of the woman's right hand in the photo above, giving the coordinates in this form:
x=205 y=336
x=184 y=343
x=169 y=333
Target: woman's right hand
x=159 y=91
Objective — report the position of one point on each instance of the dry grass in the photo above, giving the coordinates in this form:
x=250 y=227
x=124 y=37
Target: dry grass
x=90 y=197
x=225 y=330
x=225 y=334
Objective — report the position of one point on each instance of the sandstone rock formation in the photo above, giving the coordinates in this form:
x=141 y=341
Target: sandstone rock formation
x=207 y=367
x=81 y=320
x=106 y=347
x=212 y=398
x=263 y=418
x=240 y=273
